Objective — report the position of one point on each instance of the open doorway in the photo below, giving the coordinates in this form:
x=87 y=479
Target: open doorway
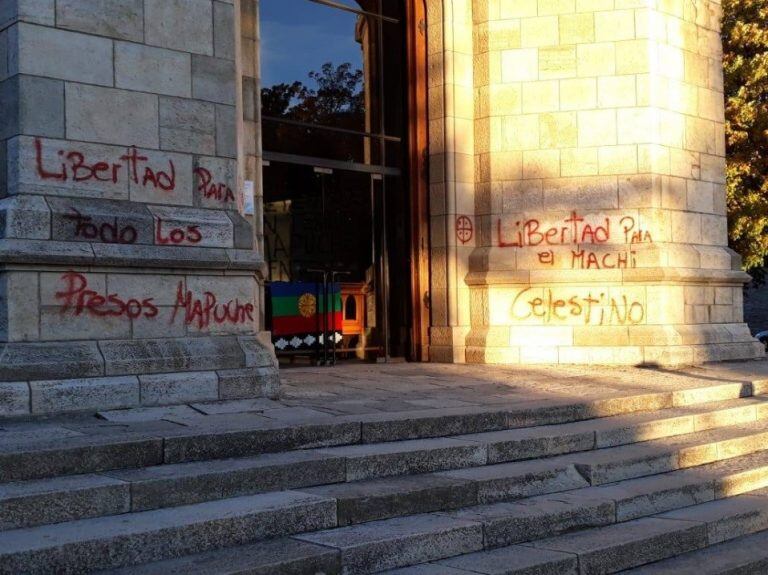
x=339 y=216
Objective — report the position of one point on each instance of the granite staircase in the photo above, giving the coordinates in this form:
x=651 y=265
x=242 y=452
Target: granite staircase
x=669 y=482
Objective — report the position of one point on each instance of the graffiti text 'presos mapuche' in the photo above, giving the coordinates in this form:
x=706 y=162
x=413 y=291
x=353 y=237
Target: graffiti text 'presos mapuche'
x=199 y=311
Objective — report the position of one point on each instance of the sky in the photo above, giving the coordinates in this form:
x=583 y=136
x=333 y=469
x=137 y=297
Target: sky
x=298 y=36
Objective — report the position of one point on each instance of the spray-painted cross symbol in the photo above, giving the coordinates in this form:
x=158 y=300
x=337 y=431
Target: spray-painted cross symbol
x=465 y=230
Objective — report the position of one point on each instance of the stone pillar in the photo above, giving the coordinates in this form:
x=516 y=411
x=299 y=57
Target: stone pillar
x=451 y=168
x=128 y=277
x=600 y=150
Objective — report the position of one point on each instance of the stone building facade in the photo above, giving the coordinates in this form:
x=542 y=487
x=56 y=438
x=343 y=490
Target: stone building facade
x=575 y=179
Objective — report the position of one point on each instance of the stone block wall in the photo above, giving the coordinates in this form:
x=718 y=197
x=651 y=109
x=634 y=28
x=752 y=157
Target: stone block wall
x=122 y=250
x=601 y=232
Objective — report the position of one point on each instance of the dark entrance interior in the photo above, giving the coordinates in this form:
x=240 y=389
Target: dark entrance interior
x=337 y=200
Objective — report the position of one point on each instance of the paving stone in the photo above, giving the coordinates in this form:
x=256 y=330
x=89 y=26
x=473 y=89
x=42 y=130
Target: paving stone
x=537 y=517
x=364 y=501
x=426 y=569
x=15 y=433
x=743 y=556
x=392 y=543
x=278 y=557
x=237 y=406
x=518 y=444
x=514 y=560
x=416 y=456
x=431 y=423
x=256 y=438
x=109 y=542
x=507 y=481
x=61 y=499
x=626 y=545
x=72 y=455
x=183 y=484
x=123 y=19
x=727 y=518
x=142 y=414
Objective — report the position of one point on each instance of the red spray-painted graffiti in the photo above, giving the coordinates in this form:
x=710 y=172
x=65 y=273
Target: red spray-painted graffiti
x=76 y=167
x=212 y=190
x=200 y=312
x=576 y=231
x=177 y=236
x=203 y=312
x=109 y=233
x=465 y=229
x=77 y=298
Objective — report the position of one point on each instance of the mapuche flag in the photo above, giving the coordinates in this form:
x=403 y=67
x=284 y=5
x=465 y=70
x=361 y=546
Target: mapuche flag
x=298 y=308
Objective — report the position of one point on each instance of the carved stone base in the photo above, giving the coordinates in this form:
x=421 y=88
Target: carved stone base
x=55 y=377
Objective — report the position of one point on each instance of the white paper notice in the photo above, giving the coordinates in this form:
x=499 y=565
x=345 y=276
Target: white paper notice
x=249 y=208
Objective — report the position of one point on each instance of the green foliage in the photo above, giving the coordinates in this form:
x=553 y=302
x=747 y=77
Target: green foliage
x=745 y=38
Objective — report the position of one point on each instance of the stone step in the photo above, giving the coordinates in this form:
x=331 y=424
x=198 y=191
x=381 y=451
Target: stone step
x=513 y=560
x=39 y=502
x=81 y=449
x=276 y=557
x=662 y=455
x=372 y=500
x=187 y=483
x=408 y=457
x=600 y=546
x=121 y=540
x=614 y=548
x=548 y=440
x=626 y=545
x=743 y=556
x=80 y=454
x=380 y=545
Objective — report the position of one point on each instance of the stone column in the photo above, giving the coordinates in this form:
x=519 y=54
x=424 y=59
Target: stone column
x=600 y=150
x=128 y=277
x=451 y=168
